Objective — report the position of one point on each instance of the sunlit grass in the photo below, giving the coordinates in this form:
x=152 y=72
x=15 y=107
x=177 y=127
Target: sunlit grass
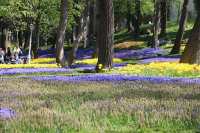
x=99 y=107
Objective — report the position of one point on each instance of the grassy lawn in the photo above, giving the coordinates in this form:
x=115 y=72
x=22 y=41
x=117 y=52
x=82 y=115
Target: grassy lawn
x=55 y=106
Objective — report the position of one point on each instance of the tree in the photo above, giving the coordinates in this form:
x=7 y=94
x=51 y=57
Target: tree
x=105 y=34
x=60 y=56
x=191 y=53
x=137 y=19
x=182 y=22
x=156 y=27
x=129 y=17
x=163 y=16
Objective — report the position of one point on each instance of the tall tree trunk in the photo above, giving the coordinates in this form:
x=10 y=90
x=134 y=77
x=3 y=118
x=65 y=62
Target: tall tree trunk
x=36 y=40
x=105 y=35
x=182 y=22
x=163 y=17
x=91 y=33
x=20 y=37
x=192 y=51
x=129 y=17
x=1 y=36
x=156 y=26
x=27 y=37
x=137 y=17
x=60 y=56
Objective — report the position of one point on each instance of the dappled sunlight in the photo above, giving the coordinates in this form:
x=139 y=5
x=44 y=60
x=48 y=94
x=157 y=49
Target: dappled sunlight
x=129 y=45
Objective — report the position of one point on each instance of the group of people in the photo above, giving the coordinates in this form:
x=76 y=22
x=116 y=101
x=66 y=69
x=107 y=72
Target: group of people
x=10 y=56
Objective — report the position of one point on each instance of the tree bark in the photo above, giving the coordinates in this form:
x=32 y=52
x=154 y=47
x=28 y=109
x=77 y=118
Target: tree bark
x=60 y=56
x=191 y=53
x=156 y=26
x=20 y=37
x=179 y=36
x=129 y=17
x=137 y=17
x=163 y=17
x=36 y=38
x=105 y=34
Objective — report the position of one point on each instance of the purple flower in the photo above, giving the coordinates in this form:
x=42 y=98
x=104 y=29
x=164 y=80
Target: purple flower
x=31 y=70
x=6 y=113
x=139 y=54
x=158 y=59
x=117 y=77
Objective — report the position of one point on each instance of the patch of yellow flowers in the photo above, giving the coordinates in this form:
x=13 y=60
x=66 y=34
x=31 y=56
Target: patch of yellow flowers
x=28 y=66
x=171 y=69
x=94 y=61
x=35 y=63
x=43 y=61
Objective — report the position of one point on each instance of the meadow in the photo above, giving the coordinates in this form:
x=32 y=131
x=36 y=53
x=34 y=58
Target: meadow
x=118 y=106
x=147 y=91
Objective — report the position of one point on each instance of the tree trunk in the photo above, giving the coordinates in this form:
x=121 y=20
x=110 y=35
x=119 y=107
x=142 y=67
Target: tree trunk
x=163 y=17
x=137 y=17
x=91 y=33
x=36 y=40
x=60 y=56
x=179 y=35
x=191 y=53
x=105 y=35
x=156 y=24
x=27 y=37
x=20 y=37
x=1 y=36
x=129 y=17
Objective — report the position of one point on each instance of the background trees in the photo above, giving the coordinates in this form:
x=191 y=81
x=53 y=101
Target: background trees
x=85 y=25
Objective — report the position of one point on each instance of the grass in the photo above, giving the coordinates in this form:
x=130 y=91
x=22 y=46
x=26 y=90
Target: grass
x=99 y=107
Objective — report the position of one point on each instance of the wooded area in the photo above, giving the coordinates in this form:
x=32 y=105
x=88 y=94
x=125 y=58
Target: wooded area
x=108 y=66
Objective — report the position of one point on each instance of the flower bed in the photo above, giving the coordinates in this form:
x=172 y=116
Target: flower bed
x=169 y=69
x=43 y=61
x=28 y=66
x=139 y=54
x=116 y=77
x=94 y=61
x=32 y=70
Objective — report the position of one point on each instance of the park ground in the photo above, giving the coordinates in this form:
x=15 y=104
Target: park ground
x=147 y=91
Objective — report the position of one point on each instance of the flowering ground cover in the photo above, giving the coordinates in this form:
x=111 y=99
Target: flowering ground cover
x=124 y=106
x=114 y=78
x=167 y=69
x=33 y=70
